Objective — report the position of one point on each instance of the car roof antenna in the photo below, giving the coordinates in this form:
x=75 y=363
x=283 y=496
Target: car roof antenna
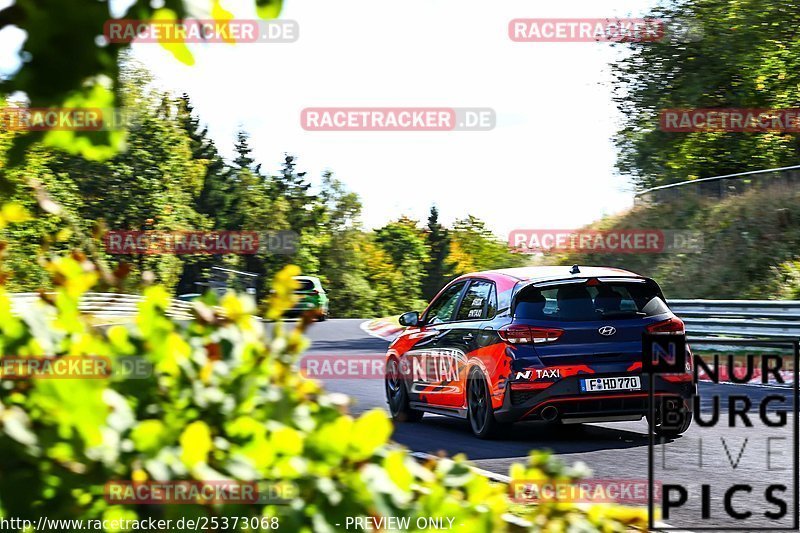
x=575 y=270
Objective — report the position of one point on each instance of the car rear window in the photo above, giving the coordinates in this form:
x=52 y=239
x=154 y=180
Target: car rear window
x=305 y=285
x=580 y=302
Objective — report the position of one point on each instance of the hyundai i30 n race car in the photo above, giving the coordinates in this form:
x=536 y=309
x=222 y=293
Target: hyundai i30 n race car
x=541 y=343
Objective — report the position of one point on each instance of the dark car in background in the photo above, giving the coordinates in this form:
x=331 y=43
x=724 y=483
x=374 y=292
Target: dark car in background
x=551 y=344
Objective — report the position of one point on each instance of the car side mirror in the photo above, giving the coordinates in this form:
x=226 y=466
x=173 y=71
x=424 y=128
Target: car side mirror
x=409 y=319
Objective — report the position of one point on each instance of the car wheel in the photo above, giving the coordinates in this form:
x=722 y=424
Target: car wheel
x=672 y=430
x=397 y=395
x=479 y=407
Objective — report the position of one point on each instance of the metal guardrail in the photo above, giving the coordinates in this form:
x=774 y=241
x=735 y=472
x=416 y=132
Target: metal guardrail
x=722 y=186
x=740 y=318
x=103 y=305
x=729 y=318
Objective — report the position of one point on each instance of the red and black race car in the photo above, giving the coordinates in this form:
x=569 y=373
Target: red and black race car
x=539 y=343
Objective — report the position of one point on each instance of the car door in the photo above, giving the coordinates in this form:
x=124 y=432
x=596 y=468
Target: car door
x=441 y=361
x=431 y=370
x=466 y=336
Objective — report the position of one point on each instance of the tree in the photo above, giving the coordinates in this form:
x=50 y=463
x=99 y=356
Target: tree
x=437 y=270
x=243 y=159
x=172 y=178
x=404 y=246
x=214 y=198
x=91 y=76
x=474 y=248
x=342 y=249
x=24 y=246
x=156 y=179
x=292 y=186
x=732 y=54
x=152 y=185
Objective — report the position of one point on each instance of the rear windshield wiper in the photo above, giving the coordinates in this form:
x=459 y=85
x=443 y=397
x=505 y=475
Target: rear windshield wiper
x=614 y=314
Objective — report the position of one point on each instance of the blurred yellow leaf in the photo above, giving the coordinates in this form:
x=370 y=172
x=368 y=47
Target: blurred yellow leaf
x=397 y=470
x=13 y=213
x=99 y=146
x=158 y=296
x=236 y=308
x=283 y=296
x=287 y=440
x=370 y=431
x=149 y=435
x=63 y=235
x=219 y=13
x=195 y=443
x=139 y=475
x=179 y=50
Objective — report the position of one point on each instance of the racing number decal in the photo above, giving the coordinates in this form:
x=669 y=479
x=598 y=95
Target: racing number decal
x=476 y=308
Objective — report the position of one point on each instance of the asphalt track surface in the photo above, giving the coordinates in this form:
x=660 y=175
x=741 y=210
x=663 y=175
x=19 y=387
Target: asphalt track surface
x=719 y=456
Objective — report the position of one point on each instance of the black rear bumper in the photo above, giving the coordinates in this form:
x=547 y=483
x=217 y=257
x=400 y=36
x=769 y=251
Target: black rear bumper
x=570 y=403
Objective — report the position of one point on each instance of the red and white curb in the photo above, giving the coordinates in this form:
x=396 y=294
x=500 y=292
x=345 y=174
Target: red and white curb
x=383 y=328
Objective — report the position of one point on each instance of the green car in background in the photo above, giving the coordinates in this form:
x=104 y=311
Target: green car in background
x=311 y=296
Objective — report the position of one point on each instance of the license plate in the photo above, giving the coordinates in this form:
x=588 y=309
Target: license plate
x=607 y=384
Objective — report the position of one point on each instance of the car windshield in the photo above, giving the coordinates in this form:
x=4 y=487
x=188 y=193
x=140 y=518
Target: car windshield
x=581 y=302
x=305 y=285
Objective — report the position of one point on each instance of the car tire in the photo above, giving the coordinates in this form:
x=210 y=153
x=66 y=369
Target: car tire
x=480 y=413
x=397 y=395
x=672 y=431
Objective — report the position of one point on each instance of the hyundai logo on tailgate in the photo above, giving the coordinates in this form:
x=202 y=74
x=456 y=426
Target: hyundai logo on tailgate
x=607 y=330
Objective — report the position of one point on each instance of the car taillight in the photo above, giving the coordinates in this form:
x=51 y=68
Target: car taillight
x=687 y=375
x=673 y=325
x=519 y=334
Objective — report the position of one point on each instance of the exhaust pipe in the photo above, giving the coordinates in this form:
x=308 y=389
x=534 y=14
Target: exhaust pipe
x=550 y=413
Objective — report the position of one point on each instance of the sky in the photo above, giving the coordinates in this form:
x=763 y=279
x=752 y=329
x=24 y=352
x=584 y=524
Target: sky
x=548 y=163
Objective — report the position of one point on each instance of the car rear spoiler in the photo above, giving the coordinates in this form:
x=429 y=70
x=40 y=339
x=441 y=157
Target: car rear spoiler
x=575 y=281
x=569 y=281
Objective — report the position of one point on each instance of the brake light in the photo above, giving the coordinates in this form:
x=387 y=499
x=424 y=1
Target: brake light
x=687 y=375
x=674 y=325
x=519 y=334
